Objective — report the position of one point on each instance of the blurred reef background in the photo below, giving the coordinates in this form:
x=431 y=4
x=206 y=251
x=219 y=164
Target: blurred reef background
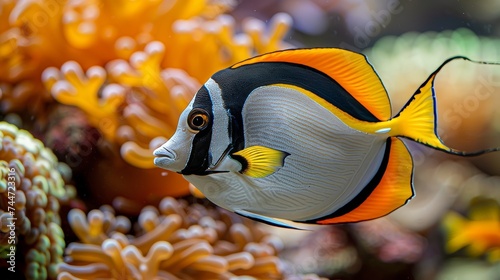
x=89 y=88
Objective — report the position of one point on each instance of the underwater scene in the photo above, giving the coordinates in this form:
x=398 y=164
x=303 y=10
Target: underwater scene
x=128 y=152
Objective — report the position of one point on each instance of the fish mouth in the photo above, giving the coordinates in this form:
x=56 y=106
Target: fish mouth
x=164 y=157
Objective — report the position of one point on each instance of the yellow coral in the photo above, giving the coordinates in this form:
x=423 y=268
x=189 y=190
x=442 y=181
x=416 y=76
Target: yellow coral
x=31 y=191
x=36 y=34
x=71 y=86
x=203 y=46
x=173 y=241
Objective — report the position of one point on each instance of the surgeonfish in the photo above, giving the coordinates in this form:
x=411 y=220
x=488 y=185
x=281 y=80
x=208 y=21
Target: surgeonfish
x=304 y=136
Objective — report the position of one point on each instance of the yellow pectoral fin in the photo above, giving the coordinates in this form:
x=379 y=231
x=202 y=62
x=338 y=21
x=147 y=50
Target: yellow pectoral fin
x=260 y=161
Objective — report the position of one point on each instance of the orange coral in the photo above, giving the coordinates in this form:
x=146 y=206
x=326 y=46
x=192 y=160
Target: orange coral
x=173 y=241
x=36 y=34
x=31 y=191
x=71 y=86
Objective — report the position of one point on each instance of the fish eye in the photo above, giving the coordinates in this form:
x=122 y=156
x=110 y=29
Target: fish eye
x=198 y=119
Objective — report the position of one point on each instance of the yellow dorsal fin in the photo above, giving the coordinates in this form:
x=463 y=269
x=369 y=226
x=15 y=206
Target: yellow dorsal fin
x=351 y=70
x=260 y=161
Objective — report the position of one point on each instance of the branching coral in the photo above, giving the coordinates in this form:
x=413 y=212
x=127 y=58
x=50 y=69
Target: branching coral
x=37 y=34
x=214 y=44
x=72 y=86
x=31 y=192
x=173 y=241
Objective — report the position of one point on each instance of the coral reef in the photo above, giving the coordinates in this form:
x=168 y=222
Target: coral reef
x=38 y=34
x=33 y=186
x=173 y=241
x=133 y=104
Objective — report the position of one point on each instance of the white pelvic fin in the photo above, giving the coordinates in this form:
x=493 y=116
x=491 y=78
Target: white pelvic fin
x=266 y=220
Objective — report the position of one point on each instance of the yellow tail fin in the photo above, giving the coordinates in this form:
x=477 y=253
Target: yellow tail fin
x=417 y=120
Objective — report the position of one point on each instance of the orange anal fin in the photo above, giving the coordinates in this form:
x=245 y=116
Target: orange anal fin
x=393 y=191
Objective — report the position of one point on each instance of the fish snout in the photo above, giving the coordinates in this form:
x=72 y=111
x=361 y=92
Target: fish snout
x=164 y=157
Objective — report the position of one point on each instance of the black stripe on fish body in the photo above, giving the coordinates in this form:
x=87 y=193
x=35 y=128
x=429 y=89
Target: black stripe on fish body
x=237 y=83
x=199 y=158
x=363 y=194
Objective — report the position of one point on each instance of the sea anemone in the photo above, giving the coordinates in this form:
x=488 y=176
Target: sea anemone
x=173 y=241
x=33 y=186
x=38 y=34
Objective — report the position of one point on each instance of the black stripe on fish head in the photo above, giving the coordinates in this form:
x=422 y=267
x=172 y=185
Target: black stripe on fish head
x=199 y=158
